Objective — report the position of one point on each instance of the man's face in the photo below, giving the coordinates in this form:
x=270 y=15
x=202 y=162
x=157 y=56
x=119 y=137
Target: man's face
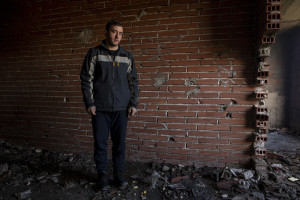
x=114 y=35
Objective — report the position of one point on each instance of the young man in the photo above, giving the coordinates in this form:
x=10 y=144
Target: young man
x=110 y=92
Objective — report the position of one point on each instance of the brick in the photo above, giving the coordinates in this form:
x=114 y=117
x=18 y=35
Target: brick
x=238 y=141
x=238 y=108
x=213 y=127
x=172 y=94
x=174 y=82
x=185 y=139
x=181 y=114
x=240 y=135
x=148 y=94
x=183 y=26
x=227 y=185
x=172 y=157
x=171 y=144
x=172 y=33
x=181 y=151
x=204 y=95
x=152 y=100
x=201 y=121
x=152 y=149
x=155 y=16
x=182 y=126
x=201 y=55
x=235 y=95
x=201 y=146
x=212 y=141
x=154 y=125
x=215 y=101
x=173 y=132
x=183 y=50
x=202 y=69
x=203 y=108
x=213 y=153
x=144 y=131
x=232 y=121
x=182 y=101
x=174 y=57
x=177 y=179
x=167 y=69
x=243 y=89
x=241 y=128
x=215 y=88
x=153 y=137
x=244 y=148
x=260 y=152
x=204 y=159
x=171 y=120
x=152 y=113
x=173 y=21
x=185 y=63
x=212 y=114
x=173 y=107
x=183 y=14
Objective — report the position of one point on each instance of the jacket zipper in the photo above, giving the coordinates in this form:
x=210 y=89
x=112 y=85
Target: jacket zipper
x=113 y=84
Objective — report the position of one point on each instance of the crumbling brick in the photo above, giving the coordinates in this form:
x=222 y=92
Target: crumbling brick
x=262 y=81
x=268 y=40
x=227 y=184
x=264 y=52
x=273 y=17
x=273 y=8
x=261 y=94
x=261 y=124
x=263 y=74
x=260 y=151
x=260 y=137
x=177 y=179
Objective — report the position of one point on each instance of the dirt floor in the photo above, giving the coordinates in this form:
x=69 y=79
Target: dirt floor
x=36 y=174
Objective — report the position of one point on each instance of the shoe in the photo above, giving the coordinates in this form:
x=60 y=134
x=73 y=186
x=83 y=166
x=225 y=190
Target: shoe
x=119 y=179
x=102 y=182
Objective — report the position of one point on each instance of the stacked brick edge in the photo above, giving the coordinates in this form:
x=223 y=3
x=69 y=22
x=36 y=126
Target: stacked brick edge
x=268 y=26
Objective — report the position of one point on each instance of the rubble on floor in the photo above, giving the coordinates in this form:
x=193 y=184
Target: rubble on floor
x=31 y=173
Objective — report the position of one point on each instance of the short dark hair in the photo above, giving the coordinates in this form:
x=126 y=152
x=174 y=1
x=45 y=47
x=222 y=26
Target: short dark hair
x=112 y=23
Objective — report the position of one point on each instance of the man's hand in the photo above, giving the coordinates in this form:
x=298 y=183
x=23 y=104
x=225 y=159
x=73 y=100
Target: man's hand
x=132 y=111
x=92 y=110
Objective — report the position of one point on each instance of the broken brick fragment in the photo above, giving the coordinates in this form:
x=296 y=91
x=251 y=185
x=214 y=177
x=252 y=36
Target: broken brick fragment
x=177 y=179
x=227 y=184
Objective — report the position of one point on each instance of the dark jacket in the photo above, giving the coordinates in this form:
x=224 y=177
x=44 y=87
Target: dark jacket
x=109 y=81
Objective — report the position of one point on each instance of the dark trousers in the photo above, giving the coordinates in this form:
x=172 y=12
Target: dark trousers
x=114 y=123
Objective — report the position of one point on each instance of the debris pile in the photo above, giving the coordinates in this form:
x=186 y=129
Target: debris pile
x=272 y=178
x=31 y=173
x=280 y=175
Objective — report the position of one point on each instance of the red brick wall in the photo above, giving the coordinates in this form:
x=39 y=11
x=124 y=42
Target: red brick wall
x=201 y=51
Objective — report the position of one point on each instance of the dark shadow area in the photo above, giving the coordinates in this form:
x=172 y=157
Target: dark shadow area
x=288 y=57
x=291 y=59
x=279 y=140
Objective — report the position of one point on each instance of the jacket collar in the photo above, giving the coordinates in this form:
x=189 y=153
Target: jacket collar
x=104 y=45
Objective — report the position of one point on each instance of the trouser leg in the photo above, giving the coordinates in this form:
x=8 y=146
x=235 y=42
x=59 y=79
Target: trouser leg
x=101 y=124
x=118 y=136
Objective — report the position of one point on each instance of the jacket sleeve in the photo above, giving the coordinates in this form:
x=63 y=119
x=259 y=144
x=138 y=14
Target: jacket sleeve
x=87 y=78
x=133 y=84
